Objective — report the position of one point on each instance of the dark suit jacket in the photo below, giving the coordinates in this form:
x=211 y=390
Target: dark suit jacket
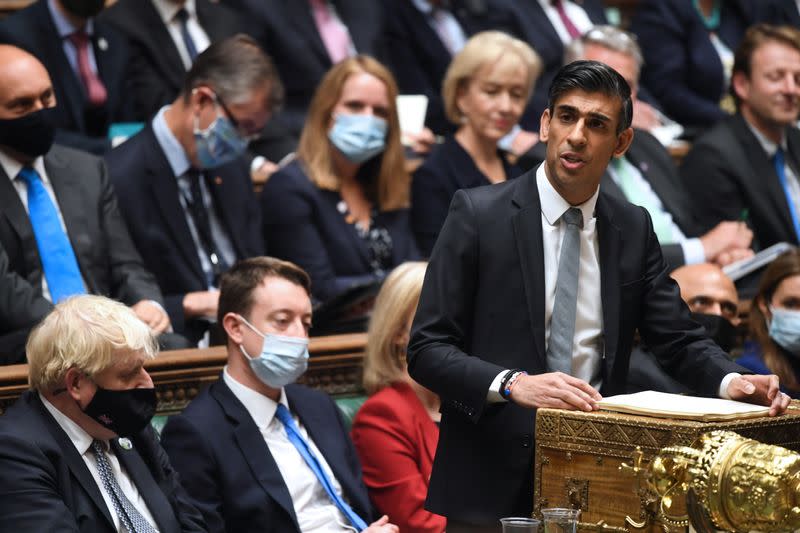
x=527 y=21
x=657 y=167
x=21 y=308
x=728 y=171
x=482 y=311
x=150 y=203
x=47 y=486
x=448 y=168
x=33 y=29
x=417 y=56
x=109 y=262
x=682 y=70
x=288 y=33
x=302 y=224
x=155 y=70
x=230 y=472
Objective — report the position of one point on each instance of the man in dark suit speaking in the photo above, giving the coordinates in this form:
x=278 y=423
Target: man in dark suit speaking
x=77 y=452
x=532 y=296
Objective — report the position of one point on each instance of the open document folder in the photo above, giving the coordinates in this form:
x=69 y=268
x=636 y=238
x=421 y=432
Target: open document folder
x=664 y=405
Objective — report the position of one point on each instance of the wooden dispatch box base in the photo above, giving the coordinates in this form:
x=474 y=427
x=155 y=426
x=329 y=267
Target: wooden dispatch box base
x=578 y=458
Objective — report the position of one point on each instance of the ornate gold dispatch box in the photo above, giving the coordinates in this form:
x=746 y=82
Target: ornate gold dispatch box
x=590 y=460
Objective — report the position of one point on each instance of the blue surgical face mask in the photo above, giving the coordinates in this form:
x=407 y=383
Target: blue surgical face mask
x=784 y=329
x=358 y=137
x=282 y=359
x=219 y=143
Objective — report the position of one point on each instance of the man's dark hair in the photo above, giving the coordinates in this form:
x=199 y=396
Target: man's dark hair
x=754 y=38
x=593 y=77
x=237 y=284
x=233 y=68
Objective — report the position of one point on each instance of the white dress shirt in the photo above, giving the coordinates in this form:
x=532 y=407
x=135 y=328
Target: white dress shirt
x=167 y=10
x=315 y=511
x=576 y=14
x=12 y=167
x=83 y=443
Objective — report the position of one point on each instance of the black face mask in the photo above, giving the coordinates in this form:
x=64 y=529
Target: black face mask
x=30 y=134
x=719 y=329
x=84 y=8
x=125 y=412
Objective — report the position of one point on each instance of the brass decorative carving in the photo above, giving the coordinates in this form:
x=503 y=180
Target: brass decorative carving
x=577 y=493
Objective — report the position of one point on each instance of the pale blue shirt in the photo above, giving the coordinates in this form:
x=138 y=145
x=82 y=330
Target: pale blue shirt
x=179 y=163
x=65 y=29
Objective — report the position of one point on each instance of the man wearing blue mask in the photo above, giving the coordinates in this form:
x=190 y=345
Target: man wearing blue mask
x=256 y=452
x=184 y=185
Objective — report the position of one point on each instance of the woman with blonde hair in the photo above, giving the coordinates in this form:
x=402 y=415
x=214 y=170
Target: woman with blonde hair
x=774 y=322
x=395 y=431
x=340 y=209
x=485 y=92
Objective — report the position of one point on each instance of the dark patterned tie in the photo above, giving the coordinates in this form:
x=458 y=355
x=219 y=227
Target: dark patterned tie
x=133 y=521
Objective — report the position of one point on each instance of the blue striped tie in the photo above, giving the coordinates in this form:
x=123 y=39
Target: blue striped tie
x=55 y=252
x=293 y=432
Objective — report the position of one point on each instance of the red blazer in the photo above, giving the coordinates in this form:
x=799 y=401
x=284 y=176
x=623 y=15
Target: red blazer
x=396 y=441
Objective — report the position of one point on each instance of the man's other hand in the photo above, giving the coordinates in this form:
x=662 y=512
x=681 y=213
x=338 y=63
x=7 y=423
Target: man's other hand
x=760 y=390
x=382 y=525
x=153 y=315
x=556 y=390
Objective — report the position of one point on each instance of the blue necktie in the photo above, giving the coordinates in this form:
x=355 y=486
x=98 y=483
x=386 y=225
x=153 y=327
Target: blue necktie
x=299 y=442
x=132 y=519
x=55 y=252
x=183 y=16
x=778 y=161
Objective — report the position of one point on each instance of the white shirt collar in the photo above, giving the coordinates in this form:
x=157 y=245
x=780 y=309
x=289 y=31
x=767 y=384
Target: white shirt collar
x=167 y=10
x=554 y=205
x=261 y=409
x=423 y=6
x=63 y=26
x=76 y=434
x=12 y=167
x=769 y=147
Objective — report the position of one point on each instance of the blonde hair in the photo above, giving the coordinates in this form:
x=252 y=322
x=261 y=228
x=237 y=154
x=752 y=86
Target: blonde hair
x=385 y=361
x=487 y=48
x=392 y=186
x=87 y=333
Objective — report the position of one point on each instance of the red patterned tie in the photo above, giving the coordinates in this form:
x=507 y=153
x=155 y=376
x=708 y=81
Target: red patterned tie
x=95 y=90
x=573 y=31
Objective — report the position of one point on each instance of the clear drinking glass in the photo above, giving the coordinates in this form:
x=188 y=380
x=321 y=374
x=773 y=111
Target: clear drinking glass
x=517 y=524
x=560 y=520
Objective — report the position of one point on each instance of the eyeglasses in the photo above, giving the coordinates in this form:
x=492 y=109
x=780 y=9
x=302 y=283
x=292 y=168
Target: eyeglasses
x=249 y=137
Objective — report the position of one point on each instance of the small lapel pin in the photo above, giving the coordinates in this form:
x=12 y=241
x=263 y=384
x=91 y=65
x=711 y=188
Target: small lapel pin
x=217 y=180
x=125 y=443
x=102 y=44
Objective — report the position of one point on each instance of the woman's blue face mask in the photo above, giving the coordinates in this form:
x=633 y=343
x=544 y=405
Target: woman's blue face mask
x=784 y=329
x=358 y=137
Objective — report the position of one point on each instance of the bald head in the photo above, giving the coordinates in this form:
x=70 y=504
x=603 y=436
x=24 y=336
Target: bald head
x=706 y=289
x=24 y=83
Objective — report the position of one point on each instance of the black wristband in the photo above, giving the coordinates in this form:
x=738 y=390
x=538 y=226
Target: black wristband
x=504 y=381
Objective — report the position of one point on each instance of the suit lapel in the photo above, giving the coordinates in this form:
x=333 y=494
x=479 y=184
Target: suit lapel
x=298 y=12
x=73 y=460
x=220 y=183
x=151 y=493
x=156 y=36
x=71 y=202
x=14 y=211
x=164 y=192
x=610 y=238
x=527 y=224
x=254 y=450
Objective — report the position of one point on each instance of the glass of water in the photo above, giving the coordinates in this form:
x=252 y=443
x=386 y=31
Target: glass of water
x=560 y=520
x=516 y=524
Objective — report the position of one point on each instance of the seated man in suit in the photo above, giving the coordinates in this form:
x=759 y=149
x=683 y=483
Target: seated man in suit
x=256 y=452
x=184 y=186
x=59 y=221
x=646 y=175
x=77 y=452
x=748 y=166
x=533 y=293
x=165 y=37
x=86 y=60
x=712 y=298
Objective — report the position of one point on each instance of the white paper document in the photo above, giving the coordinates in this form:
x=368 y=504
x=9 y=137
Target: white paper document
x=664 y=405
